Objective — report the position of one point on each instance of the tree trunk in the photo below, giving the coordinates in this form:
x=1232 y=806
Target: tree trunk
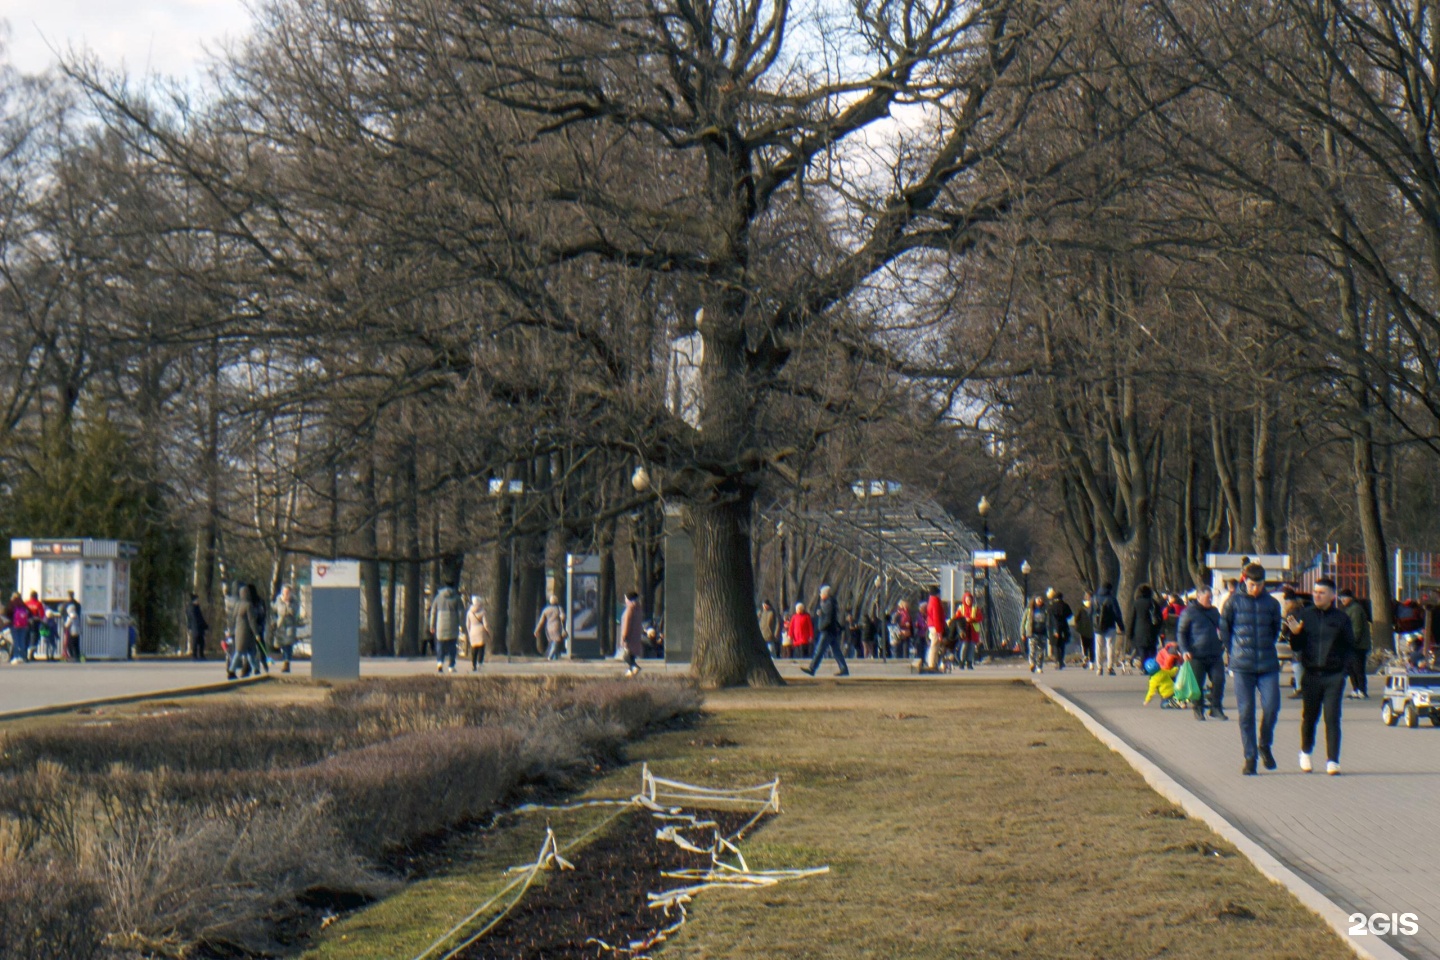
x=1263 y=539
x=529 y=579
x=605 y=542
x=728 y=649
x=376 y=642
x=1377 y=559
x=497 y=611
x=409 y=644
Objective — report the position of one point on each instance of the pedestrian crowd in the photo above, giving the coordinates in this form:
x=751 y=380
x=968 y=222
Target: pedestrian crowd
x=1190 y=649
x=932 y=636
x=33 y=631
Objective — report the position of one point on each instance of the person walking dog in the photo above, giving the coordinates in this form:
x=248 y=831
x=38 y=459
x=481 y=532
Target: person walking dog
x=1249 y=630
x=1324 y=640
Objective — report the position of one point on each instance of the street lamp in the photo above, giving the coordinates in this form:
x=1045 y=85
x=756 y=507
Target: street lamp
x=1025 y=577
x=501 y=487
x=640 y=479
x=866 y=491
x=983 y=508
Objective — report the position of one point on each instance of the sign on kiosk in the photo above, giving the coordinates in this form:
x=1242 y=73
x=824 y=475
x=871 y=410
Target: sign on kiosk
x=989 y=558
x=334 y=573
x=335 y=619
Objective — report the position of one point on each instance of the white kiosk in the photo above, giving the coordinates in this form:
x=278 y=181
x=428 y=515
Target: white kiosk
x=98 y=572
x=1227 y=566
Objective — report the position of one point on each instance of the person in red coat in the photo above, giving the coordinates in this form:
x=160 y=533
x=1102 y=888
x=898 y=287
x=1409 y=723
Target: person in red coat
x=934 y=629
x=802 y=632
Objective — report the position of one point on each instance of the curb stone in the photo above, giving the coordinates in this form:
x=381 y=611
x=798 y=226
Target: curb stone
x=172 y=694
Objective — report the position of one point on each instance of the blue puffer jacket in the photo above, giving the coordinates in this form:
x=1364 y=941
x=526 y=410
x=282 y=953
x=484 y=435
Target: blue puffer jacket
x=1249 y=629
x=1199 y=632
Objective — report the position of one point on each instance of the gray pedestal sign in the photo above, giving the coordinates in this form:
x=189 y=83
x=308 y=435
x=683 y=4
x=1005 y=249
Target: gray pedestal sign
x=679 y=590
x=335 y=619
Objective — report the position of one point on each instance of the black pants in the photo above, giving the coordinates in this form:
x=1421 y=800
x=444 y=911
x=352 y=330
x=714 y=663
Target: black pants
x=1321 y=690
x=1210 y=672
x=1359 y=681
x=477 y=656
x=197 y=646
x=1059 y=642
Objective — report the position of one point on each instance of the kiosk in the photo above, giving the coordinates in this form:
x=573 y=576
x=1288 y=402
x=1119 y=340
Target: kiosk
x=97 y=572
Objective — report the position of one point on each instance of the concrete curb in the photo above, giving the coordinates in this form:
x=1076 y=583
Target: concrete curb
x=1267 y=863
x=172 y=694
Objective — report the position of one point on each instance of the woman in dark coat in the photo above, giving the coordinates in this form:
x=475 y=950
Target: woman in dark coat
x=1144 y=625
x=245 y=621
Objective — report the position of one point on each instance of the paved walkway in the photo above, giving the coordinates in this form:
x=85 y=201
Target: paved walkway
x=34 y=685
x=1368 y=839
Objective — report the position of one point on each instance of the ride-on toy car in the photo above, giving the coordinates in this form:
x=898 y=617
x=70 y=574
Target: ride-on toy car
x=1411 y=695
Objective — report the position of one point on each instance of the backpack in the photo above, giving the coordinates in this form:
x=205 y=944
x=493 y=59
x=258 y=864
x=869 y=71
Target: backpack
x=1107 y=614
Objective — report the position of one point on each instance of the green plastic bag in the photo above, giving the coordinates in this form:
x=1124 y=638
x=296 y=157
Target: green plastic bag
x=1187 y=688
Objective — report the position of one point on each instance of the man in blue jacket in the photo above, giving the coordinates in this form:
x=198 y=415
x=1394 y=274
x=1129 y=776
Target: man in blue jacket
x=1249 y=630
x=1199 y=638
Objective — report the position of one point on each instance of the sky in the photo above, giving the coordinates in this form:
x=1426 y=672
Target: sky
x=164 y=36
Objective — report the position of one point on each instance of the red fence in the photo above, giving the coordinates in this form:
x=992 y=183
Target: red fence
x=1347 y=570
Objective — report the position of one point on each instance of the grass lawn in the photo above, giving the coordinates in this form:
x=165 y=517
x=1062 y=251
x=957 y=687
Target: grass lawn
x=959 y=819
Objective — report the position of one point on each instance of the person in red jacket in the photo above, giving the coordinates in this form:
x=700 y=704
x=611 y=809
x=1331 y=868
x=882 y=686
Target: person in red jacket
x=37 y=617
x=968 y=617
x=802 y=632
x=934 y=629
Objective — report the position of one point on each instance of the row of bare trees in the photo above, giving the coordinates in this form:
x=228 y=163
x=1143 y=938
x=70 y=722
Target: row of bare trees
x=426 y=282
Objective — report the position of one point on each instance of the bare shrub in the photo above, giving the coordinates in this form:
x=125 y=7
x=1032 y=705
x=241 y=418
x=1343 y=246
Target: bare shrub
x=393 y=793
x=208 y=826
x=216 y=876
x=47 y=912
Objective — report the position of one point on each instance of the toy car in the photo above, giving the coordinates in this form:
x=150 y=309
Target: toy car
x=1411 y=695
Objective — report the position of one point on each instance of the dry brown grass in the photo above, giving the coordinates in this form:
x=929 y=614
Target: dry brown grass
x=208 y=823
x=987 y=823
x=960 y=820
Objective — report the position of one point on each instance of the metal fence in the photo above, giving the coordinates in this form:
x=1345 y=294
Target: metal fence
x=1412 y=572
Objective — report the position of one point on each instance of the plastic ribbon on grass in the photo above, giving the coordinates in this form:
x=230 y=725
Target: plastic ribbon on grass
x=666 y=801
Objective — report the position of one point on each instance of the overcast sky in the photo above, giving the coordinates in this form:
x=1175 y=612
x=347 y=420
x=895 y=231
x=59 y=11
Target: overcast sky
x=166 y=36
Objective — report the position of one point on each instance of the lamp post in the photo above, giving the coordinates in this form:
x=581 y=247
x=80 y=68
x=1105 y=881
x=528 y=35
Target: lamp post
x=983 y=508
x=502 y=487
x=866 y=491
x=1025 y=579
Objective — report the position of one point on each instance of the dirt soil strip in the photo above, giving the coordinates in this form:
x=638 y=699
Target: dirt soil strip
x=604 y=897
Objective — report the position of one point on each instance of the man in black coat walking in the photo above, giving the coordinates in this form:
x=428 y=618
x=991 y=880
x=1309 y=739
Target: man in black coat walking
x=827 y=634
x=1323 y=639
x=1198 y=634
x=197 y=626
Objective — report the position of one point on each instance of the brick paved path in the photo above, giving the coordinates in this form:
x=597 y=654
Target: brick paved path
x=1369 y=839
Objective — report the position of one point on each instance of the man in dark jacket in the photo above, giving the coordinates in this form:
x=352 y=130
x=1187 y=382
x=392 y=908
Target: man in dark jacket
x=1059 y=621
x=1324 y=641
x=1107 y=620
x=197 y=626
x=1249 y=630
x=1360 y=626
x=827 y=634
x=1198 y=633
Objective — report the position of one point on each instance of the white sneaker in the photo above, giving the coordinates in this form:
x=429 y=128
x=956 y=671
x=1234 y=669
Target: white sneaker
x=1332 y=768
x=1305 y=765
